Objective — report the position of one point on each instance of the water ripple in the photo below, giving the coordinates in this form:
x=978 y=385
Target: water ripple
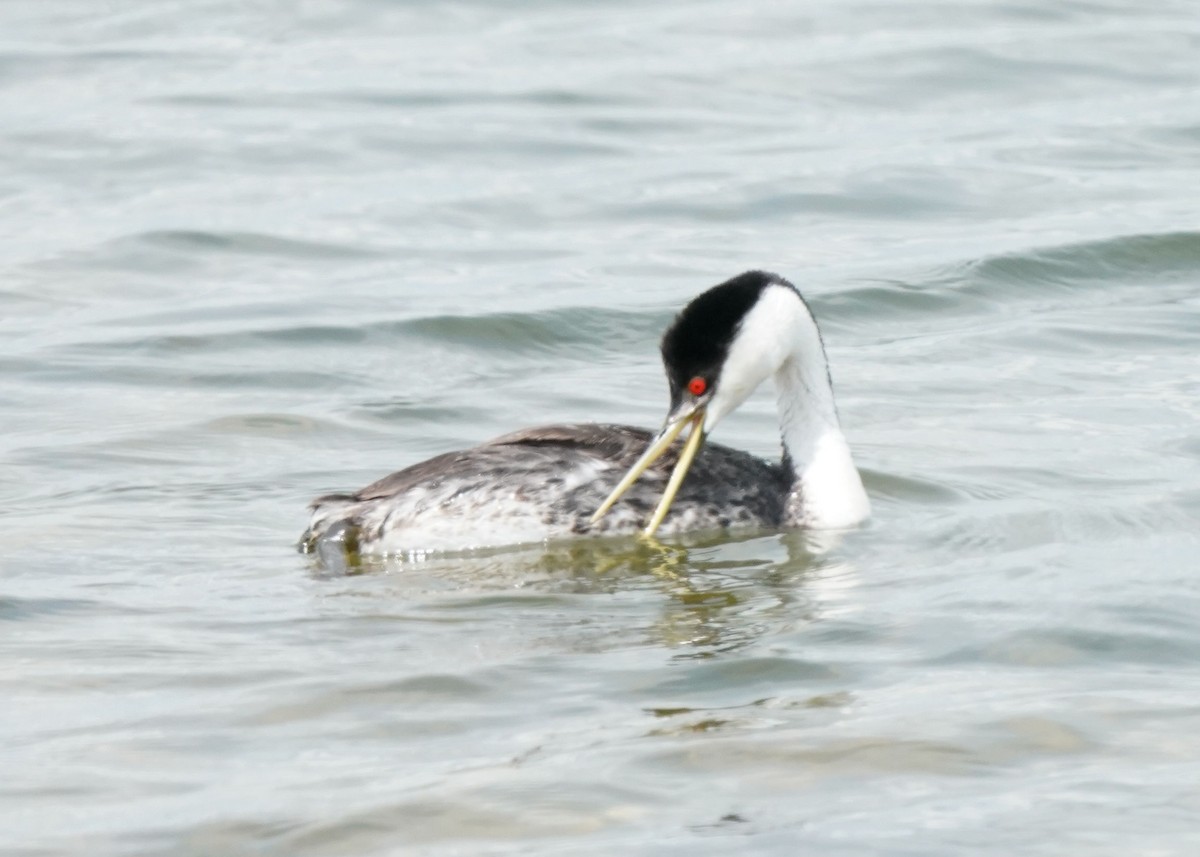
x=256 y=253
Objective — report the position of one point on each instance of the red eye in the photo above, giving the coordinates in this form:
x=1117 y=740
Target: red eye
x=697 y=386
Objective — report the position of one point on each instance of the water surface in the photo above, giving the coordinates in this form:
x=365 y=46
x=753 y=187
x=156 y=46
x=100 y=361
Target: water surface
x=253 y=252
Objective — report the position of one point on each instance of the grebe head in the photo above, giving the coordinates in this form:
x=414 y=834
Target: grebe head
x=716 y=352
x=729 y=340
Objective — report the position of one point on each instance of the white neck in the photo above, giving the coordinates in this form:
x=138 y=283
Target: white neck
x=828 y=491
x=779 y=338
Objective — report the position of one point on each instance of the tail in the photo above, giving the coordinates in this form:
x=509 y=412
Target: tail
x=333 y=530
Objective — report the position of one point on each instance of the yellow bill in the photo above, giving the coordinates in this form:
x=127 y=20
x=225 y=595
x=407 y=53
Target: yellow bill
x=655 y=451
x=681 y=468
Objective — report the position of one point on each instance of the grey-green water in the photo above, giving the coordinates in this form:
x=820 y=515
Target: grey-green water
x=252 y=252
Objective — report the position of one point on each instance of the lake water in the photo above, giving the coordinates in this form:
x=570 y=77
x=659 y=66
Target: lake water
x=257 y=251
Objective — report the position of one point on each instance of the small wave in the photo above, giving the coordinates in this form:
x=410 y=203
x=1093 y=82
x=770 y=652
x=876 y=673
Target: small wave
x=1162 y=258
x=1073 y=647
x=255 y=243
x=163 y=252
x=15 y=609
x=976 y=288
x=391 y=98
x=571 y=330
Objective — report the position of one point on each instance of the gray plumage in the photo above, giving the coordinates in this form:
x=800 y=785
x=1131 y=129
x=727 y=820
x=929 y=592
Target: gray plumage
x=551 y=478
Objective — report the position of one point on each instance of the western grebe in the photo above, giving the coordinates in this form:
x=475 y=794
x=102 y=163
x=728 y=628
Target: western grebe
x=564 y=481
